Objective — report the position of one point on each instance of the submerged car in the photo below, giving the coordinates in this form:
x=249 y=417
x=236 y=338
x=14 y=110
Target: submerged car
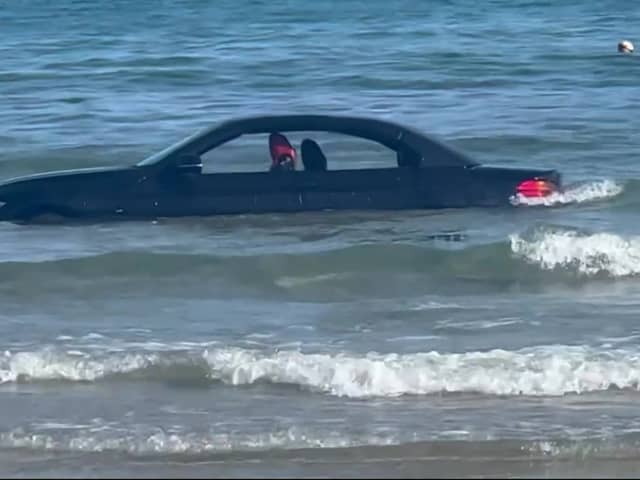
x=425 y=174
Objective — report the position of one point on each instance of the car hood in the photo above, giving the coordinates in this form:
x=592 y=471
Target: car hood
x=61 y=173
x=25 y=185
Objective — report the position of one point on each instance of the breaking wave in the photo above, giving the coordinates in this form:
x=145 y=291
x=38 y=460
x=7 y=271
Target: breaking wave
x=543 y=249
x=539 y=371
x=542 y=256
x=588 y=254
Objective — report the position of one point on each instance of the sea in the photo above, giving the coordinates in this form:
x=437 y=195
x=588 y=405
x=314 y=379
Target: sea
x=498 y=342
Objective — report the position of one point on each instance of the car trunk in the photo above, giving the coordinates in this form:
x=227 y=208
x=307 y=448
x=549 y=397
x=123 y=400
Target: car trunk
x=496 y=185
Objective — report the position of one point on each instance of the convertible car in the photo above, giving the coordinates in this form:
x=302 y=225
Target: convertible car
x=425 y=174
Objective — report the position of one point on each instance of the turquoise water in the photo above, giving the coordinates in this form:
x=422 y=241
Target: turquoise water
x=247 y=345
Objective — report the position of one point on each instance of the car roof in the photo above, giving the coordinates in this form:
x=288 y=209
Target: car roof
x=386 y=132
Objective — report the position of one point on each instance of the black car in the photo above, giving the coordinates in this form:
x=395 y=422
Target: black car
x=425 y=174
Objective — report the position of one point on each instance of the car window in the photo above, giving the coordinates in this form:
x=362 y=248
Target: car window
x=250 y=153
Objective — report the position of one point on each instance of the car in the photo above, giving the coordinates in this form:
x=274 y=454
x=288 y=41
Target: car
x=425 y=174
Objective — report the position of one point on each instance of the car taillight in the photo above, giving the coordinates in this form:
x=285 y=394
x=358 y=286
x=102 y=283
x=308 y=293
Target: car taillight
x=536 y=188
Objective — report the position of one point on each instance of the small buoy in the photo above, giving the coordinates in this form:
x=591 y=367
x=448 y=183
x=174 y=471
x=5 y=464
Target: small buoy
x=625 y=46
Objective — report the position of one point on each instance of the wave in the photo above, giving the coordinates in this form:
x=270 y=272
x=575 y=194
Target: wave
x=149 y=441
x=158 y=441
x=524 y=257
x=540 y=371
x=358 y=269
x=587 y=254
x=531 y=258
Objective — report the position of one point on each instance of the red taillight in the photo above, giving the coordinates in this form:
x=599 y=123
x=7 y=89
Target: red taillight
x=536 y=188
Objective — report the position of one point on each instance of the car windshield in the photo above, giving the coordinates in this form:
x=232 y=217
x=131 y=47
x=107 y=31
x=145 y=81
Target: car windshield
x=158 y=156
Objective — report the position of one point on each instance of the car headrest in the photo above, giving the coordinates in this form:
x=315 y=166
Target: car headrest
x=280 y=147
x=312 y=156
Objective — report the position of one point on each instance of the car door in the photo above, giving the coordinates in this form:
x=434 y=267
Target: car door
x=197 y=193
x=375 y=188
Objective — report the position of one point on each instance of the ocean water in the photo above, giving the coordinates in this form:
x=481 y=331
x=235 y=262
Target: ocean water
x=334 y=343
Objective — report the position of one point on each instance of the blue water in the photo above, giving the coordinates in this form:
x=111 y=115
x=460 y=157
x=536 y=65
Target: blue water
x=244 y=339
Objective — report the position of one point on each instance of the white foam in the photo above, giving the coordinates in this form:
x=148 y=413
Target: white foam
x=580 y=193
x=181 y=411
x=545 y=370
x=541 y=371
x=478 y=324
x=621 y=339
x=50 y=365
x=59 y=426
x=93 y=336
x=500 y=322
x=455 y=434
x=290 y=282
x=594 y=448
x=435 y=306
x=161 y=442
x=261 y=336
x=414 y=338
x=588 y=254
